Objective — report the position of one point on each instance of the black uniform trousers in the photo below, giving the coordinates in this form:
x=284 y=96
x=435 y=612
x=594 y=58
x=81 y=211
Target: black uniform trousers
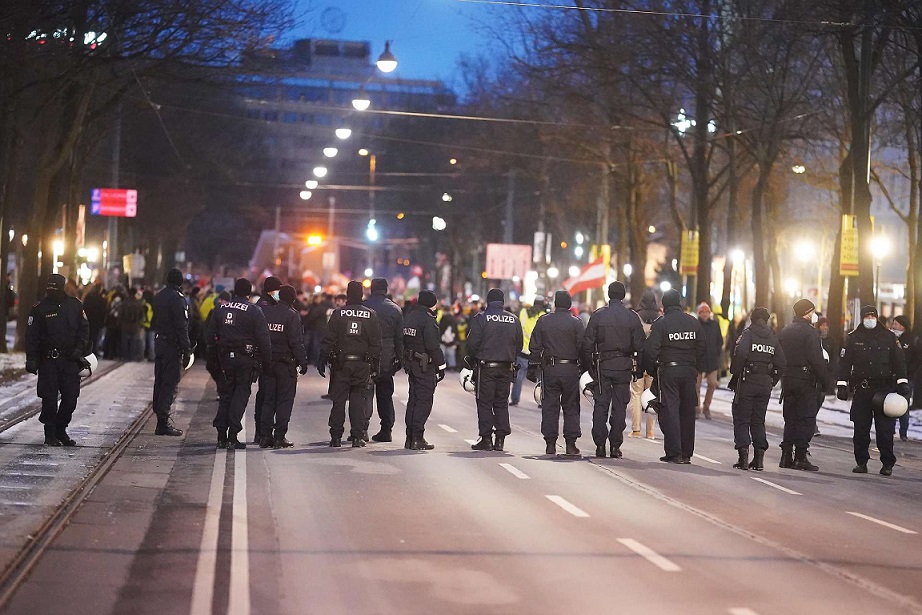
x=349 y=383
x=493 y=388
x=800 y=407
x=234 y=392
x=58 y=377
x=611 y=397
x=419 y=402
x=384 y=398
x=678 y=397
x=560 y=388
x=167 y=372
x=749 y=406
x=278 y=388
x=862 y=414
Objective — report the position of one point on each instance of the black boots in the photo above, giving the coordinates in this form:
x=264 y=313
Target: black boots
x=550 y=446
x=419 y=443
x=51 y=438
x=572 y=451
x=382 y=436
x=266 y=442
x=886 y=470
x=758 y=458
x=279 y=441
x=616 y=452
x=801 y=462
x=498 y=444
x=358 y=442
x=222 y=438
x=787 y=457
x=743 y=463
x=483 y=444
x=861 y=468
x=63 y=438
x=233 y=443
x=165 y=427
x=600 y=451
x=336 y=441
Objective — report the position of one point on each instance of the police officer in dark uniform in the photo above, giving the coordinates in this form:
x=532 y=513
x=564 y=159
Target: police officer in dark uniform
x=425 y=366
x=614 y=338
x=391 y=320
x=270 y=297
x=872 y=365
x=172 y=349
x=554 y=349
x=674 y=354
x=806 y=370
x=57 y=340
x=279 y=382
x=241 y=336
x=352 y=346
x=494 y=341
x=758 y=363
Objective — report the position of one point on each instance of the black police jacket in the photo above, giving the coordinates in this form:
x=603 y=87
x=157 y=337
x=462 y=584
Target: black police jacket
x=421 y=336
x=495 y=335
x=57 y=323
x=353 y=330
x=758 y=358
x=676 y=343
x=285 y=333
x=557 y=335
x=240 y=326
x=616 y=333
x=804 y=353
x=390 y=319
x=873 y=355
x=171 y=317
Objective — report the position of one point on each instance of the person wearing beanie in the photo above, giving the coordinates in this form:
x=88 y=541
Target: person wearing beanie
x=271 y=288
x=494 y=341
x=352 y=347
x=172 y=348
x=391 y=319
x=872 y=365
x=610 y=351
x=674 y=354
x=528 y=316
x=554 y=352
x=278 y=382
x=239 y=336
x=425 y=365
x=757 y=365
x=807 y=369
x=57 y=340
x=713 y=345
x=911 y=344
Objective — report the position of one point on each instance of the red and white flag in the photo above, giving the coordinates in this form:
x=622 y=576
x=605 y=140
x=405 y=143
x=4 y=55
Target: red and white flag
x=590 y=277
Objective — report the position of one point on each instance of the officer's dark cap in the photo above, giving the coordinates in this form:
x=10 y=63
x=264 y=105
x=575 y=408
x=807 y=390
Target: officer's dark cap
x=243 y=287
x=174 y=277
x=495 y=294
x=56 y=281
x=379 y=285
x=672 y=298
x=803 y=307
x=616 y=291
x=759 y=314
x=869 y=310
x=427 y=299
x=354 y=292
x=903 y=319
x=563 y=300
x=272 y=283
x=287 y=294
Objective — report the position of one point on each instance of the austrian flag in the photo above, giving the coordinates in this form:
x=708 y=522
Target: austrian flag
x=591 y=276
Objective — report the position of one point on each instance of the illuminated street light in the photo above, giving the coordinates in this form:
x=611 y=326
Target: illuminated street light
x=369 y=272
x=553 y=272
x=573 y=271
x=453 y=161
x=311 y=184
x=799 y=169
x=314 y=240
x=446 y=197
x=387 y=61
x=628 y=269
x=330 y=152
x=438 y=224
x=804 y=251
x=665 y=285
x=363 y=152
x=343 y=133
x=361 y=102
x=578 y=252
x=790 y=286
x=320 y=171
x=880 y=247
x=580 y=238
x=372 y=232
x=305 y=195
x=737 y=256
x=92 y=255
x=651 y=229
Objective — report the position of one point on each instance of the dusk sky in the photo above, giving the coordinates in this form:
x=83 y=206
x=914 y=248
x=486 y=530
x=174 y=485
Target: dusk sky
x=428 y=35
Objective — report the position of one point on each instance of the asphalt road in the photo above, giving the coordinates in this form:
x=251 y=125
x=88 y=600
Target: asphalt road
x=179 y=528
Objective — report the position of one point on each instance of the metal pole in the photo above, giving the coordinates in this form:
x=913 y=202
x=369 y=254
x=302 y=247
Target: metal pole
x=113 y=251
x=278 y=230
x=510 y=201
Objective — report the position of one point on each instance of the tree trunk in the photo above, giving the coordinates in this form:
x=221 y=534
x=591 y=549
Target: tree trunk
x=732 y=215
x=760 y=266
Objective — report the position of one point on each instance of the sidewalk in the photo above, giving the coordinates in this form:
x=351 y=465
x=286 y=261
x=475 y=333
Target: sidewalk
x=34 y=479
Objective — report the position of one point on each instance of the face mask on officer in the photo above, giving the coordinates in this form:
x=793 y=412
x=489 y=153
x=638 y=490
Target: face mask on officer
x=869 y=322
x=275 y=295
x=897 y=332
x=814 y=318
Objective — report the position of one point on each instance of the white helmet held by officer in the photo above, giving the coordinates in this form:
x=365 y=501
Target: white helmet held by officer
x=466 y=377
x=586 y=384
x=90 y=365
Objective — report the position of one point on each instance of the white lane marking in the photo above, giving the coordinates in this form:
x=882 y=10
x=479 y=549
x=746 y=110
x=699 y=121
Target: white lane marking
x=708 y=459
x=650 y=440
x=472 y=442
x=448 y=429
x=883 y=523
x=404 y=401
x=514 y=470
x=741 y=610
x=239 y=602
x=778 y=487
x=567 y=506
x=650 y=555
x=203 y=587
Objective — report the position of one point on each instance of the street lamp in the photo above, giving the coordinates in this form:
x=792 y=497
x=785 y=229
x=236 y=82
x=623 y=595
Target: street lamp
x=553 y=272
x=305 y=195
x=387 y=61
x=343 y=133
x=880 y=248
x=320 y=171
x=361 y=102
x=330 y=152
x=573 y=271
x=311 y=184
x=439 y=224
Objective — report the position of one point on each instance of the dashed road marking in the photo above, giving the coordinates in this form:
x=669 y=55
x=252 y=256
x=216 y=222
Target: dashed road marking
x=567 y=506
x=203 y=586
x=650 y=555
x=778 y=487
x=514 y=471
x=708 y=459
x=448 y=429
x=883 y=523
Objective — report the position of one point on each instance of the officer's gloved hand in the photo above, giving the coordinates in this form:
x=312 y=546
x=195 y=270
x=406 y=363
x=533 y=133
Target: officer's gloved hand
x=440 y=376
x=904 y=389
x=532 y=373
x=842 y=392
x=638 y=374
x=32 y=367
x=470 y=362
x=302 y=369
x=321 y=369
x=76 y=355
x=396 y=365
